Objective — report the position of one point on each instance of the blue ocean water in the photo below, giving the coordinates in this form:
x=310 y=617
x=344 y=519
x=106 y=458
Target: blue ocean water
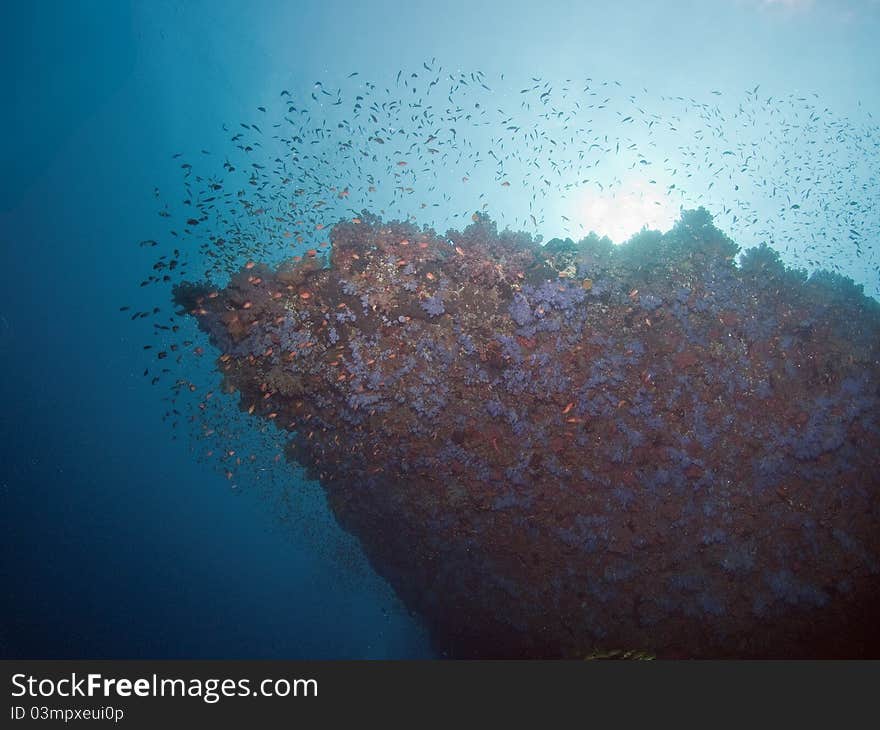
x=119 y=540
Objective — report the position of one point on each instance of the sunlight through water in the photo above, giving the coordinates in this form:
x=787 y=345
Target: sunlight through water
x=620 y=214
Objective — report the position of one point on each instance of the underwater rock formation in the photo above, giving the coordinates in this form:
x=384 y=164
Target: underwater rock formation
x=554 y=450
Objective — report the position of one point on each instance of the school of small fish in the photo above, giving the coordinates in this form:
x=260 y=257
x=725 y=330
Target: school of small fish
x=430 y=145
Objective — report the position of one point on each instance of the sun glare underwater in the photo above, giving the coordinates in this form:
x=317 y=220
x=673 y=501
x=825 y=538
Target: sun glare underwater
x=576 y=368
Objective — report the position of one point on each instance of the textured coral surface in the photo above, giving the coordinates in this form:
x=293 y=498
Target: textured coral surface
x=551 y=450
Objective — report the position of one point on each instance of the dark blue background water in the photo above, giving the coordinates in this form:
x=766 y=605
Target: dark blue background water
x=116 y=541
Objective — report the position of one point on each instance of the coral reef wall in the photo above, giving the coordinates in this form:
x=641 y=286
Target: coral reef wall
x=550 y=450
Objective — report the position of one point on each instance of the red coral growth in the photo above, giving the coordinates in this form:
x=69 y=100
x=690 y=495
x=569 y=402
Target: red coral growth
x=659 y=453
